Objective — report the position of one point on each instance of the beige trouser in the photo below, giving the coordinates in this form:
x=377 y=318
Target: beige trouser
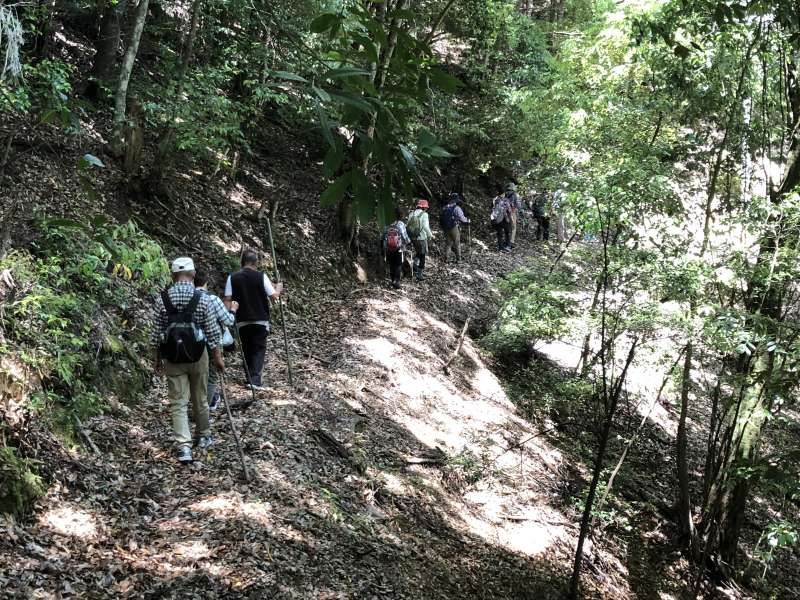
x=186 y=382
x=513 y=226
x=452 y=239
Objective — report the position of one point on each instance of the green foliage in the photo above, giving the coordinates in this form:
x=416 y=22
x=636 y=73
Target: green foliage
x=533 y=310
x=19 y=486
x=68 y=313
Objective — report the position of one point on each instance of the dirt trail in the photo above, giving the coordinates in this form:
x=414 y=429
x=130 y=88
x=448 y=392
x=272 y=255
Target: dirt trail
x=404 y=506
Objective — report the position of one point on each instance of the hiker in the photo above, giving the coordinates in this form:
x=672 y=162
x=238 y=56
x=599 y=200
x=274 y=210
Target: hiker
x=542 y=217
x=225 y=319
x=186 y=330
x=502 y=222
x=514 y=205
x=419 y=229
x=452 y=217
x=558 y=213
x=252 y=290
x=395 y=240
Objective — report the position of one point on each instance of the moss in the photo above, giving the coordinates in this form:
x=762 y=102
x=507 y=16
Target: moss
x=19 y=486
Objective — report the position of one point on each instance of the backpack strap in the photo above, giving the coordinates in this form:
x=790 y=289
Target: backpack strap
x=192 y=306
x=168 y=305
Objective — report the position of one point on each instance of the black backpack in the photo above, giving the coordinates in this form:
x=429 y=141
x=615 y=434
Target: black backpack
x=448 y=219
x=183 y=341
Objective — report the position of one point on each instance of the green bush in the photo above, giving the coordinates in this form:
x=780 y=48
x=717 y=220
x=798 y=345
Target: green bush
x=19 y=486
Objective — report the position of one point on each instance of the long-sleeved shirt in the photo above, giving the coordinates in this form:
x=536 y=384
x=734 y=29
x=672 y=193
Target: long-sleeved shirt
x=513 y=201
x=424 y=230
x=458 y=213
x=224 y=317
x=204 y=316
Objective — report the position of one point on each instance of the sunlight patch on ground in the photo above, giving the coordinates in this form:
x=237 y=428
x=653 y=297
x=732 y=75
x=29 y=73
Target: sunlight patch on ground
x=70 y=521
x=231 y=505
x=192 y=550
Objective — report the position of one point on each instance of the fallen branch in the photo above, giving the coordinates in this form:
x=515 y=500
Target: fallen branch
x=331 y=443
x=435 y=456
x=86 y=435
x=460 y=343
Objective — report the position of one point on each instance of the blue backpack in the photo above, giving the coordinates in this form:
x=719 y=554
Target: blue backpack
x=448 y=219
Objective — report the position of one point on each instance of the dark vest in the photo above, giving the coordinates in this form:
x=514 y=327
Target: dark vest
x=248 y=290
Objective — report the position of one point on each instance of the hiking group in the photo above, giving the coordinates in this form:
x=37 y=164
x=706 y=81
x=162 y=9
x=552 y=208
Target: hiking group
x=191 y=328
x=508 y=210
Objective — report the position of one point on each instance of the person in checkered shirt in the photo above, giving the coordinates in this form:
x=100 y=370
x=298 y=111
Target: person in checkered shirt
x=187 y=382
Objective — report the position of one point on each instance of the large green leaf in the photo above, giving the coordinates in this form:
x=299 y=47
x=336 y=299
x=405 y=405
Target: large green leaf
x=408 y=156
x=324 y=123
x=444 y=81
x=437 y=152
x=333 y=159
x=335 y=191
x=354 y=102
x=364 y=197
x=346 y=72
x=323 y=22
x=288 y=76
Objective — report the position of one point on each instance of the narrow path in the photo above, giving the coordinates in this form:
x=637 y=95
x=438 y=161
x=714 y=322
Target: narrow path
x=384 y=517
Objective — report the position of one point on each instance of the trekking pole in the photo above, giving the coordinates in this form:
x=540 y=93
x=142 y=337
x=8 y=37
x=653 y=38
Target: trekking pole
x=233 y=427
x=280 y=306
x=244 y=362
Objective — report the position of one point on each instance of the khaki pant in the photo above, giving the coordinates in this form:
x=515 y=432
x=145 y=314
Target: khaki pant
x=452 y=239
x=186 y=382
x=513 y=226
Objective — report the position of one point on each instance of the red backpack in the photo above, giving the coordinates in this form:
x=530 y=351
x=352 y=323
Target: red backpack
x=394 y=241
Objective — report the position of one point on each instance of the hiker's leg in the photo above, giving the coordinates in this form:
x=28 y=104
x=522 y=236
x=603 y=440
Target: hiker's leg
x=213 y=382
x=198 y=383
x=258 y=344
x=498 y=227
x=422 y=253
x=245 y=341
x=395 y=265
x=507 y=232
x=513 y=227
x=456 y=232
x=178 y=392
x=546 y=228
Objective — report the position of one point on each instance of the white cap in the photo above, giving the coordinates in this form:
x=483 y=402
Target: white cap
x=182 y=264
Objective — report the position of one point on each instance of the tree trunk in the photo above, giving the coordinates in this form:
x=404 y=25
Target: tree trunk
x=121 y=96
x=105 y=58
x=684 y=505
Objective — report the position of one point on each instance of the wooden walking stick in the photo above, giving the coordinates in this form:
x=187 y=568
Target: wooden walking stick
x=233 y=427
x=280 y=306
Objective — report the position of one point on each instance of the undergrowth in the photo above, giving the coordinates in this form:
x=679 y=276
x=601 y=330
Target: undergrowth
x=74 y=316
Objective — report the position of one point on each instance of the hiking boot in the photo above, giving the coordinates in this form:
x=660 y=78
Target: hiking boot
x=255 y=387
x=184 y=454
x=213 y=406
x=203 y=442
x=396 y=285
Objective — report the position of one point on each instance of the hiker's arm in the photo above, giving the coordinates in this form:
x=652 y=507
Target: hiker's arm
x=159 y=323
x=213 y=336
x=273 y=292
x=228 y=293
x=426 y=225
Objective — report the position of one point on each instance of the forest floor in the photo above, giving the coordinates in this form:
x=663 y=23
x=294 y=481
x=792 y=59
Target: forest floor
x=381 y=474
